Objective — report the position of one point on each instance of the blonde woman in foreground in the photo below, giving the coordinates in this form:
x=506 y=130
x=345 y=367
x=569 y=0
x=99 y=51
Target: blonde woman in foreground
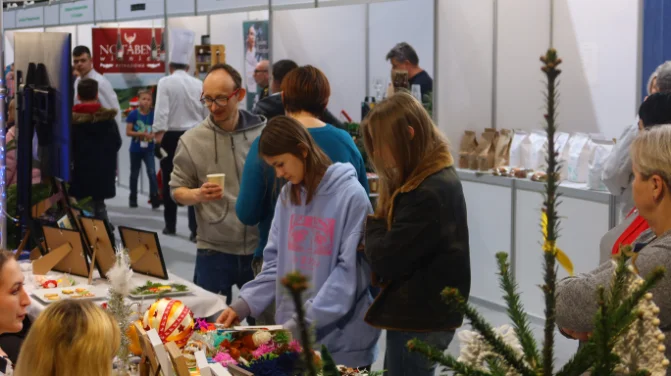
x=651 y=188
x=70 y=337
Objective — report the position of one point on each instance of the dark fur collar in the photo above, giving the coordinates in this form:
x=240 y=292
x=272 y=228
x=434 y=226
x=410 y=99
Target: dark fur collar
x=98 y=116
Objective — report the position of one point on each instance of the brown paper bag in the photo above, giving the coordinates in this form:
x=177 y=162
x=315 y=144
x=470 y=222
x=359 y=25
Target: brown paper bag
x=502 y=148
x=480 y=158
x=487 y=158
x=468 y=145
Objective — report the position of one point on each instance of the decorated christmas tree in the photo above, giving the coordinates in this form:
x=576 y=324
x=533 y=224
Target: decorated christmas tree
x=626 y=339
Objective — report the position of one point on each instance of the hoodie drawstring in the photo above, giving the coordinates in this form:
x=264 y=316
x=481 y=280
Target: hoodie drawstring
x=216 y=151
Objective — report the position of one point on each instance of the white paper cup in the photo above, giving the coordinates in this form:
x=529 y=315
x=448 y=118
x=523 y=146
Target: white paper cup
x=218 y=179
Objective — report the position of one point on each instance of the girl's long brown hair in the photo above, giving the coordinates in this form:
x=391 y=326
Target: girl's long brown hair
x=285 y=135
x=386 y=127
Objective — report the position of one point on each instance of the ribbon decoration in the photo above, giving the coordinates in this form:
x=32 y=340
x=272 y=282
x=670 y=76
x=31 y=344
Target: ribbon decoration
x=550 y=246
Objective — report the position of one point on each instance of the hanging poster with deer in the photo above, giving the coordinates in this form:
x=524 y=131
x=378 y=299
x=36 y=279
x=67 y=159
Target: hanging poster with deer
x=127 y=50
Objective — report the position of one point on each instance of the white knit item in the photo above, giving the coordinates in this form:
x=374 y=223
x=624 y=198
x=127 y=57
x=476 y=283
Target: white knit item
x=642 y=346
x=475 y=351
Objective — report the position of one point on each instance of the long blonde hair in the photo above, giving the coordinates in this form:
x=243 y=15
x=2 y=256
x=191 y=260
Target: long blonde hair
x=71 y=337
x=386 y=126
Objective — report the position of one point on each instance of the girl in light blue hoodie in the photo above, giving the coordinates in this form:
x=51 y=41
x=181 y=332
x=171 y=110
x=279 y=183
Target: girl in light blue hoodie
x=318 y=225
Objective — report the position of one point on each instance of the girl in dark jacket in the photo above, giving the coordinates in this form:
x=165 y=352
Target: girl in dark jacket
x=417 y=240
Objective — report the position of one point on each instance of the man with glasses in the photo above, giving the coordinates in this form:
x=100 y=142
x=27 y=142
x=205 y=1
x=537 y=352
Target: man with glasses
x=218 y=145
x=177 y=110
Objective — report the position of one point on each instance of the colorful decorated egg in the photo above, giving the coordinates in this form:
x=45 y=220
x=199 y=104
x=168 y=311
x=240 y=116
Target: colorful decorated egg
x=172 y=320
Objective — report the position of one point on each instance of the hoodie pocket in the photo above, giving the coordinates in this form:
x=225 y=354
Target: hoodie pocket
x=216 y=212
x=224 y=214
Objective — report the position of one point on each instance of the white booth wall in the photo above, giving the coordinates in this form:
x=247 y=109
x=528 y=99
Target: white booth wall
x=332 y=39
x=598 y=86
x=482 y=84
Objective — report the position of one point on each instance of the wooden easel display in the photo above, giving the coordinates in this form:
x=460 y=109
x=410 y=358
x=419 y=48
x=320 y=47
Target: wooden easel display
x=161 y=353
x=144 y=251
x=149 y=364
x=178 y=360
x=65 y=253
x=100 y=242
x=36 y=211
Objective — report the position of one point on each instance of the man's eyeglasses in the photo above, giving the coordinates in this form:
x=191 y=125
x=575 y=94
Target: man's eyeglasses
x=256 y=71
x=219 y=101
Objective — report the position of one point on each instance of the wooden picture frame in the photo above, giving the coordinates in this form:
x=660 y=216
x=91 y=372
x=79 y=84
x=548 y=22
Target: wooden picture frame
x=144 y=250
x=100 y=242
x=65 y=253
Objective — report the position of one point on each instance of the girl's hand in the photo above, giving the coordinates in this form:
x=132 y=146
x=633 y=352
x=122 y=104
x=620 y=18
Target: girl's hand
x=228 y=318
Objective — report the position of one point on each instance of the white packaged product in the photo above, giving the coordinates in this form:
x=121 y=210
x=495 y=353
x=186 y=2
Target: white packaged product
x=538 y=140
x=561 y=140
x=516 y=155
x=561 y=144
x=600 y=150
x=577 y=161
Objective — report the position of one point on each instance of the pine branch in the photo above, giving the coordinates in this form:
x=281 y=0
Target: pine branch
x=296 y=283
x=329 y=367
x=603 y=338
x=516 y=311
x=495 y=367
x=452 y=297
x=641 y=373
x=441 y=358
x=619 y=282
x=580 y=362
x=622 y=317
x=550 y=62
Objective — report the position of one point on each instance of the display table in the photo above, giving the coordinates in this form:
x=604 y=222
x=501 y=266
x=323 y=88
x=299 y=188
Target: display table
x=201 y=302
x=504 y=215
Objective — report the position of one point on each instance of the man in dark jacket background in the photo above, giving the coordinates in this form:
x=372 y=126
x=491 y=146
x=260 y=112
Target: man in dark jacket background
x=272 y=105
x=95 y=143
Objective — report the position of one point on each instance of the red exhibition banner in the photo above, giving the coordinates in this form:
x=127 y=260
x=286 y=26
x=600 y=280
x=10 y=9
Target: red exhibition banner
x=137 y=50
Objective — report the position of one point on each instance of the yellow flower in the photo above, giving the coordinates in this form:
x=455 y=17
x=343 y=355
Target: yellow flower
x=550 y=246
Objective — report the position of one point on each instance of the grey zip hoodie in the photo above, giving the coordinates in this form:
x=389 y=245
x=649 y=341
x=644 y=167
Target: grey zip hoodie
x=208 y=149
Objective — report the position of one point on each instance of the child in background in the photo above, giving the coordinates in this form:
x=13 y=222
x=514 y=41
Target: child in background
x=138 y=126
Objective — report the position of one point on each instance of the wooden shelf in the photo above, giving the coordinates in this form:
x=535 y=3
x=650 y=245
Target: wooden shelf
x=209 y=55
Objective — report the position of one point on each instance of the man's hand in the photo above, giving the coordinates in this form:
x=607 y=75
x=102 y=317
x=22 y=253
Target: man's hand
x=228 y=318
x=209 y=192
x=149 y=136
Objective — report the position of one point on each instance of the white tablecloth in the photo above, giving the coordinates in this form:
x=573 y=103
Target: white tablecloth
x=201 y=302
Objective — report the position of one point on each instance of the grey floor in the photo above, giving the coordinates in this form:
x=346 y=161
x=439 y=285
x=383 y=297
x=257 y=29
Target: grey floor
x=180 y=253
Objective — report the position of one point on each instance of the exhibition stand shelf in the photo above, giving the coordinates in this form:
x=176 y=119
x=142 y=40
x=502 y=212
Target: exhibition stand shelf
x=504 y=215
